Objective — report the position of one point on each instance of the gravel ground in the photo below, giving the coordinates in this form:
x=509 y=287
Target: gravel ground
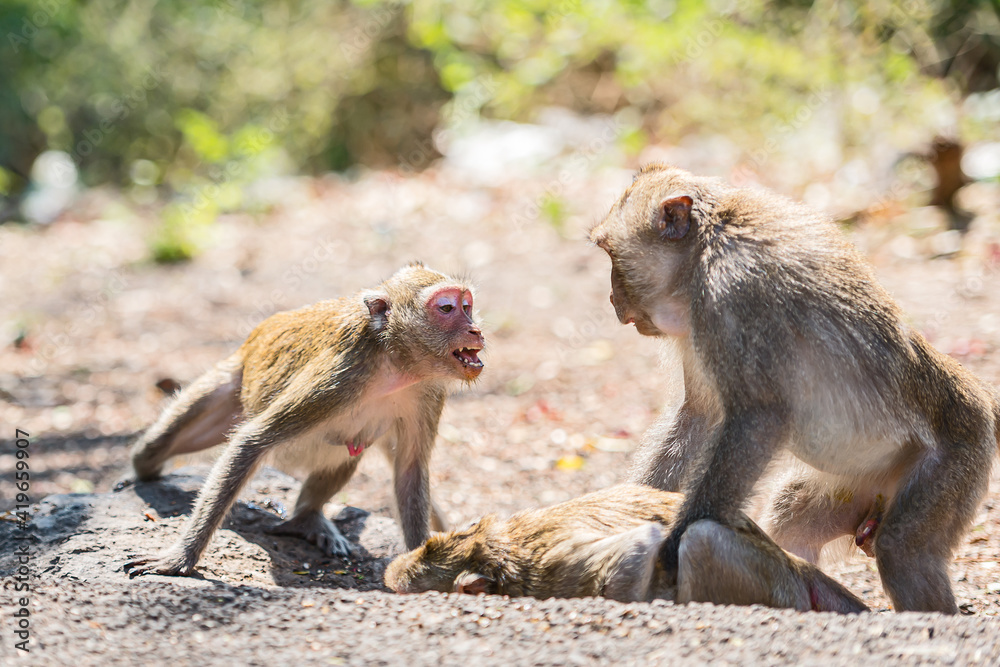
x=257 y=599
x=89 y=328
x=160 y=622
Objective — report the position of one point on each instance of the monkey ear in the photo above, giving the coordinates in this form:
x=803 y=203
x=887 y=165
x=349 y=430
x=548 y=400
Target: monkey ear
x=472 y=583
x=673 y=218
x=379 y=309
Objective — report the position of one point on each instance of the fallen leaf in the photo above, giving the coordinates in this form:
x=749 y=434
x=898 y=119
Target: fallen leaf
x=569 y=462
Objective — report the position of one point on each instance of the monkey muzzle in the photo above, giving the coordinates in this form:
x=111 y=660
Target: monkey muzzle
x=623 y=317
x=618 y=300
x=469 y=358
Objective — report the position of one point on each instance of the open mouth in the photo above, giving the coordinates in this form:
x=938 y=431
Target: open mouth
x=469 y=357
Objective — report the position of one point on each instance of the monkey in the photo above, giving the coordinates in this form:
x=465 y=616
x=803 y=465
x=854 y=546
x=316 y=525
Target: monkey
x=315 y=388
x=606 y=544
x=788 y=344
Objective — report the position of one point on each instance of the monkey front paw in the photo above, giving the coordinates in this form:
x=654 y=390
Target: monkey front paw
x=169 y=564
x=133 y=478
x=316 y=529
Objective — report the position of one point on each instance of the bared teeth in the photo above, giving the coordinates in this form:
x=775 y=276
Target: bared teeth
x=468 y=356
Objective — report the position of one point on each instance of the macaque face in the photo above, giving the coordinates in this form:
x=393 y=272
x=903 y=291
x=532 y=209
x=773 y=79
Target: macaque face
x=430 y=331
x=628 y=309
x=449 y=311
x=646 y=236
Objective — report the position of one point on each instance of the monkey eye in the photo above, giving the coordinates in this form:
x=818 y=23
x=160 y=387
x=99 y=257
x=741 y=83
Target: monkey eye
x=446 y=301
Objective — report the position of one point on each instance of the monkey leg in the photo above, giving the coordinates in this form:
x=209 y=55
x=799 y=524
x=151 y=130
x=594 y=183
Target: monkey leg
x=733 y=461
x=199 y=418
x=669 y=447
x=308 y=521
x=229 y=475
x=926 y=520
x=807 y=513
x=742 y=566
x=409 y=454
x=413 y=501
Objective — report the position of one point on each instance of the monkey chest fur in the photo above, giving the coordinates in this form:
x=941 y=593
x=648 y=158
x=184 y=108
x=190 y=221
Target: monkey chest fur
x=376 y=418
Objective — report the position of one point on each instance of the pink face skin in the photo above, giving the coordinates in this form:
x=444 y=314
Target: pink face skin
x=445 y=302
x=450 y=309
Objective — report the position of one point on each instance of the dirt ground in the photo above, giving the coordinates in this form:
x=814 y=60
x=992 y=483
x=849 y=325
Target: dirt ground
x=90 y=327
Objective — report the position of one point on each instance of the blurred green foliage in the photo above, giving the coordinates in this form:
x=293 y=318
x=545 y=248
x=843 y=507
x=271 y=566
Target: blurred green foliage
x=189 y=100
x=554 y=211
x=738 y=68
x=181 y=83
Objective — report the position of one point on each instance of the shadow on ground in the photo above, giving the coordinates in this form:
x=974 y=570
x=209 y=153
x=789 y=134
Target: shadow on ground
x=89 y=537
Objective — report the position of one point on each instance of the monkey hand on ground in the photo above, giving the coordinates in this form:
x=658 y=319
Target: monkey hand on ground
x=607 y=543
x=316 y=388
x=789 y=343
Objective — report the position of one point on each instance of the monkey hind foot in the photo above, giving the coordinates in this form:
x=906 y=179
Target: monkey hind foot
x=170 y=563
x=316 y=529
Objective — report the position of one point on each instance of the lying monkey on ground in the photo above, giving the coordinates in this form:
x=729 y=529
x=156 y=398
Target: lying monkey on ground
x=317 y=387
x=607 y=543
x=788 y=341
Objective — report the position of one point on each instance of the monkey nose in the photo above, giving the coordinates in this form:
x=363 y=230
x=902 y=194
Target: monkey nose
x=611 y=295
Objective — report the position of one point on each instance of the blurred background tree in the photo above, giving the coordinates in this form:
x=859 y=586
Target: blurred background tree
x=184 y=102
